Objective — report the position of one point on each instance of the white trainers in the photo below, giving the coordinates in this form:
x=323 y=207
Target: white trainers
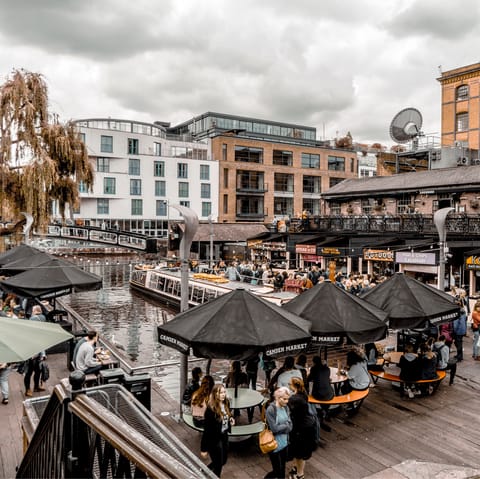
x=411 y=394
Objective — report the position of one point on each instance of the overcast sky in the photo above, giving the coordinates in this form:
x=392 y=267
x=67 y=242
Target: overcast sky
x=338 y=65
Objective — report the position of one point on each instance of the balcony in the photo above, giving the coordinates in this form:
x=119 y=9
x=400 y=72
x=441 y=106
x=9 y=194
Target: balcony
x=252 y=188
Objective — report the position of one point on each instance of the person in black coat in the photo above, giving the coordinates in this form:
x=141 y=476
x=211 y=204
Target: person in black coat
x=319 y=376
x=218 y=423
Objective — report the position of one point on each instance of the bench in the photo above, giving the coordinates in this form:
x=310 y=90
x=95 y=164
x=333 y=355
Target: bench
x=354 y=397
x=244 y=430
x=376 y=375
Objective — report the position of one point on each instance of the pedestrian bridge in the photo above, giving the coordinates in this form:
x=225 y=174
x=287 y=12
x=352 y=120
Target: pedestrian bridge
x=112 y=237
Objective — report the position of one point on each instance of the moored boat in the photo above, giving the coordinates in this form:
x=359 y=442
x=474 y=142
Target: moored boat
x=165 y=285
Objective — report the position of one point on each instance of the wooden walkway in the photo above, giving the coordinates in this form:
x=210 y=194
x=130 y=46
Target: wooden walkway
x=388 y=430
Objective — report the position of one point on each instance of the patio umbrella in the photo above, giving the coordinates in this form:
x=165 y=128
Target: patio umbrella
x=411 y=303
x=51 y=279
x=19 y=252
x=21 y=339
x=19 y=265
x=236 y=325
x=335 y=314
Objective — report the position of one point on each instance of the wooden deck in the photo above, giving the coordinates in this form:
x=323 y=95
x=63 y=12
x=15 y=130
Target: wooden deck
x=388 y=430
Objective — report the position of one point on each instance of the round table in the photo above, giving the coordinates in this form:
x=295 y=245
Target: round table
x=246 y=398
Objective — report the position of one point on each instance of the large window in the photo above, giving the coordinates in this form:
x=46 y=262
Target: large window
x=106 y=144
x=103 y=206
x=225 y=204
x=157 y=149
x=336 y=163
x=335 y=208
x=205 y=190
x=462 y=93
x=283 y=183
x=136 y=187
x=250 y=180
x=311 y=205
x=283 y=206
x=310 y=160
x=206 y=208
x=462 y=121
x=311 y=184
x=183 y=189
x=137 y=207
x=182 y=170
x=159 y=168
x=161 y=208
x=133 y=166
x=82 y=187
x=103 y=165
x=225 y=177
x=249 y=155
x=204 y=172
x=109 y=187
x=160 y=188
x=224 y=152
x=282 y=158
x=132 y=146
x=185 y=203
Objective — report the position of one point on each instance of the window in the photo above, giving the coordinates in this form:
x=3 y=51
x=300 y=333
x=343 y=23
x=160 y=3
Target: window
x=132 y=146
x=282 y=158
x=462 y=121
x=103 y=165
x=225 y=177
x=224 y=152
x=225 y=204
x=136 y=187
x=311 y=184
x=185 y=203
x=157 y=148
x=311 y=205
x=160 y=188
x=367 y=206
x=335 y=208
x=103 y=206
x=109 y=187
x=249 y=155
x=283 y=183
x=283 y=206
x=133 y=167
x=159 y=168
x=204 y=172
x=250 y=180
x=205 y=190
x=336 y=163
x=106 y=144
x=183 y=189
x=161 y=208
x=352 y=165
x=310 y=160
x=335 y=181
x=462 y=92
x=404 y=205
x=206 y=208
x=82 y=187
x=137 y=207
x=82 y=137
x=182 y=170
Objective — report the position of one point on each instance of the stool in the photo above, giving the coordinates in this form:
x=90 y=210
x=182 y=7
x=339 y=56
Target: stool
x=90 y=380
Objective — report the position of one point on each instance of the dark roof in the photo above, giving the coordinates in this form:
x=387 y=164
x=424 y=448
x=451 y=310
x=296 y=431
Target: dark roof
x=466 y=177
x=229 y=231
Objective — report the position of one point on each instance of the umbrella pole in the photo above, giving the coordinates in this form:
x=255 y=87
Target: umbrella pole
x=209 y=365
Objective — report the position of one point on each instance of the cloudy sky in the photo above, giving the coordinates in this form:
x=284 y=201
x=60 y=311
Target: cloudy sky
x=338 y=65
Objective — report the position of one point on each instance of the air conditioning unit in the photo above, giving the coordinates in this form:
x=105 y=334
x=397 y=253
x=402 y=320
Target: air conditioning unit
x=463 y=161
x=476 y=161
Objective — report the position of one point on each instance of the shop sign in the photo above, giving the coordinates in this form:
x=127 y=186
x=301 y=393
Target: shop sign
x=306 y=249
x=311 y=258
x=472 y=262
x=255 y=242
x=378 y=255
x=413 y=257
x=330 y=251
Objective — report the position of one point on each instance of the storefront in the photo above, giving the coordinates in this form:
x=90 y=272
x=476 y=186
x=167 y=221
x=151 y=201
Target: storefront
x=422 y=266
x=379 y=261
x=306 y=255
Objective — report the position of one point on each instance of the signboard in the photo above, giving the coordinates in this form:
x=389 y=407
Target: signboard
x=378 y=255
x=306 y=249
x=412 y=257
x=311 y=257
x=330 y=252
x=254 y=242
x=326 y=340
x=472 y=263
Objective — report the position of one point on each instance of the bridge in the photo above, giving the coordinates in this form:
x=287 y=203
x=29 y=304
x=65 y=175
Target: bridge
x=111 y=237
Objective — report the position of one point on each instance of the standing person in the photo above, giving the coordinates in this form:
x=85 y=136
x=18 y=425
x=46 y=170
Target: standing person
x=268 y=365
x=476 y=330
x=32 y=368
x=236 y=377
x=459 y=331
x=302 y=437
x=443 y=354
x=200 y=400
x=192 y=386
x=5 y=370
x=278 y=420
x=251 y=368
x=217 y=423
x=85 y=360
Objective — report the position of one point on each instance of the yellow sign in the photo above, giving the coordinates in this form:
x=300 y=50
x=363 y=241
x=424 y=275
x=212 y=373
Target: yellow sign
x=332 y=251
x=472 y=262
x=378 y=255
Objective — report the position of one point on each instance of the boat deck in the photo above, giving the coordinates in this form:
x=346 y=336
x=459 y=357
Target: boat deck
x=381 y=441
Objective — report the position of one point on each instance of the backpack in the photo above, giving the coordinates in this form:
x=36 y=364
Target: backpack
x=312 y=411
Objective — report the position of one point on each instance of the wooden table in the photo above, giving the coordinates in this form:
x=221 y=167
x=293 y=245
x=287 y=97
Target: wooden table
x=393 y=357
x=108 y=362
x=337 y=379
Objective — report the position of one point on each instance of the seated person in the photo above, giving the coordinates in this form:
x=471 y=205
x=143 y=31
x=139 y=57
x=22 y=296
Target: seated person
x=85 y=360
x=285 y=373
x=319 y=376
x=357 y=373
x=373 y=362
x=443 y=358
x=200 y=400
x=192 y=386
x=236 y=377
x=428 y=367
x=410 y=370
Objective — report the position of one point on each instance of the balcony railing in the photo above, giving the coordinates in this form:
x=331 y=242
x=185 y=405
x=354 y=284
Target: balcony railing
x=252 y=188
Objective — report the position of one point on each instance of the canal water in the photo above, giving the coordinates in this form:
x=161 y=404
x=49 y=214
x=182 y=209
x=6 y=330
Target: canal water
x=124 y=317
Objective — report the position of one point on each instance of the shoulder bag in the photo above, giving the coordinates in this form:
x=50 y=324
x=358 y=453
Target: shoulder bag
x=267 y=441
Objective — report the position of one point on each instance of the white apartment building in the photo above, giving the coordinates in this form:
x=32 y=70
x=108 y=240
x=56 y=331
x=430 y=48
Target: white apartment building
x=140 y=171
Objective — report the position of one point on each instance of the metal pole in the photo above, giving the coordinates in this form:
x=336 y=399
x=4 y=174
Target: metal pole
x=211 y=241
x=439 y=219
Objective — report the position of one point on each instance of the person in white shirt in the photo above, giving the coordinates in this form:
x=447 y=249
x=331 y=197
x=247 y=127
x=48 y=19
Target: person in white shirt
x=85 y=360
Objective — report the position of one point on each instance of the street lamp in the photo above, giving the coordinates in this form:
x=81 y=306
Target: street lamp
x=211 y=241
x=439 y=219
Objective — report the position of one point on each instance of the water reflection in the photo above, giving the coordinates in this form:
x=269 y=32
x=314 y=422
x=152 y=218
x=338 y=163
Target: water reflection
x=124 y=317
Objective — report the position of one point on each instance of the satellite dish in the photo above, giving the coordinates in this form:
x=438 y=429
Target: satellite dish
x=406 y=125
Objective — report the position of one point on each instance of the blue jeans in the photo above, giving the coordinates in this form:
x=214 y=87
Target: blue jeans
x=476 y=335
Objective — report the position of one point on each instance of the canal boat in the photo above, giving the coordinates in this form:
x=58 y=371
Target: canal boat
x=164 y=284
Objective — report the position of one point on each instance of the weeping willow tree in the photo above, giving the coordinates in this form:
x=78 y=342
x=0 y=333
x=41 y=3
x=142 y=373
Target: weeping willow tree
x=41 y=159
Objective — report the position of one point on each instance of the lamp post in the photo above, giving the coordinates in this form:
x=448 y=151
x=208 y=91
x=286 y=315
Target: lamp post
x=211 y=241
x=439 y=219
x=166 y=203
